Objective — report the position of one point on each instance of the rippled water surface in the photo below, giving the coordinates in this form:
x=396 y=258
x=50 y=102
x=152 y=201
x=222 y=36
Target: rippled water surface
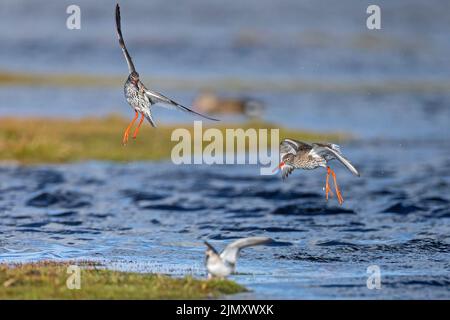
x=153 y=217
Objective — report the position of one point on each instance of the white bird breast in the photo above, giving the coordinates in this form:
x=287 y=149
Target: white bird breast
x=219 y=269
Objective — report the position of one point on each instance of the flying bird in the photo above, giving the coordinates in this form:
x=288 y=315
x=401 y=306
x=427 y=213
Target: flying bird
x=300 y=155
x=223 y=264
x=138 y=96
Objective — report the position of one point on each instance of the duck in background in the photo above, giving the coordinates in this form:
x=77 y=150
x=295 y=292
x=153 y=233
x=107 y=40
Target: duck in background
x=211 y=103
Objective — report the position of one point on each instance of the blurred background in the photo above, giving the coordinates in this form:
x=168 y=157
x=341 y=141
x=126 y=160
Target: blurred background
x=301 y=65
x=313 y=64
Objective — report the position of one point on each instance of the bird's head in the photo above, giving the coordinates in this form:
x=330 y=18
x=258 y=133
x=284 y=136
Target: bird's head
x=288 y=159
x=134 y=77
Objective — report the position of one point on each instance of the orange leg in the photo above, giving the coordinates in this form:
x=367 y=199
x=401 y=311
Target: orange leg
x=336 y=187
x=127 y=131
x=139 y=125
x=327 y=185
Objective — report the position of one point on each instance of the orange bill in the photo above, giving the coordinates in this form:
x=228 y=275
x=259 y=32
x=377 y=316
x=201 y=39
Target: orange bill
x=280 y=166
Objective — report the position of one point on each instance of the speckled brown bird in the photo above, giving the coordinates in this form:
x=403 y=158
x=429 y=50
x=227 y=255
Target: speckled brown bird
x=301 y=155
x=138 y=96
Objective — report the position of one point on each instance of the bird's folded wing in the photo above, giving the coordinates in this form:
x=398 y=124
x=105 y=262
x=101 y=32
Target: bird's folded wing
x=170 y=104
x=231 y=252
x=286 y=170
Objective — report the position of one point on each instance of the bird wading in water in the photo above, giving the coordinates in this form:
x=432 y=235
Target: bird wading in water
x=223 y=264
x=138 y=96
x=300 y=155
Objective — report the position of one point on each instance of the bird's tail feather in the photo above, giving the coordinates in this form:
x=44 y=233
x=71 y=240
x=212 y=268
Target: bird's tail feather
x=149 y=117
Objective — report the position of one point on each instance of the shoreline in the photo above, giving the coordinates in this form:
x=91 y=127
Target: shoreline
x=57 y=280
x=388 y=85
x=29 y=141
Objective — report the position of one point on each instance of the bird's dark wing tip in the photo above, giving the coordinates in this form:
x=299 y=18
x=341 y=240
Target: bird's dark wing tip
x=210 y=247
x=198 y=113
x=118 y=15
x=207 y=244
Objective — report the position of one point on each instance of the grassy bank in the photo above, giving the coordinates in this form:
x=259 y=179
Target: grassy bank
x=47 y=280
x=32 y=141
x=238 y=84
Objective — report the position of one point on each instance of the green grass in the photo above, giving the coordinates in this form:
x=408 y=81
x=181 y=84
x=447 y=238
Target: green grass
x=34 y=141
x=238 y=84
x=47 y=280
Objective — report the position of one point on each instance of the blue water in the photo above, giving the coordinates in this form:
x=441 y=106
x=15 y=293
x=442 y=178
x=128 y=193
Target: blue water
x=153 y=216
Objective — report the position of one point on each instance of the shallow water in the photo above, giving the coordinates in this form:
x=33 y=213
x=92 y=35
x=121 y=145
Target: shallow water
x=153 y=217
